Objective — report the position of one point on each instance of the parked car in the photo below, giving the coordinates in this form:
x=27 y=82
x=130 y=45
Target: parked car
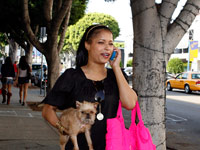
x=188 y=81
x=129 y=73
x=35 y=68
x=169 y=76
x=37 y=78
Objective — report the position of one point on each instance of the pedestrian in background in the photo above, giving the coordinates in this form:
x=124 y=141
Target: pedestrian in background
x=15 y=67
x=23 y=77
x=8 y=74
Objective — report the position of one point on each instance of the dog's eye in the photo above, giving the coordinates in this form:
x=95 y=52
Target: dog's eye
x=82 y=112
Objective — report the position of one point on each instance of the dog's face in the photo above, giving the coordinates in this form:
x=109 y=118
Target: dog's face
x=86 y=111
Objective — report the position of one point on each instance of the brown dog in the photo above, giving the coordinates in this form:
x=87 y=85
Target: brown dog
x=76 y=121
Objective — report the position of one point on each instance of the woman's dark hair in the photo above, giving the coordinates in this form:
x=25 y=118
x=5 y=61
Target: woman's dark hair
x=82 y=53
x=23 y=63
x=8 y=63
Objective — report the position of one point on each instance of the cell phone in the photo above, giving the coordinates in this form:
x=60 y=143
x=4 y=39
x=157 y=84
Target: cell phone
x=113 y=55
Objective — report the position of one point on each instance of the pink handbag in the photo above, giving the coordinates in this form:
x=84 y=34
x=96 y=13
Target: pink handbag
x=137 y=137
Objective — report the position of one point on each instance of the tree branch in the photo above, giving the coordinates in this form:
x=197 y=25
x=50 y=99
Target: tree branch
x=64 y=28
x=58 y=18
x=19 y=37
x=139 y=8
x=58 y=5
x=181 y=24
x=48 y=12
x=165 y=13
x=22 y=43
x=145 y=20
x=33 y=39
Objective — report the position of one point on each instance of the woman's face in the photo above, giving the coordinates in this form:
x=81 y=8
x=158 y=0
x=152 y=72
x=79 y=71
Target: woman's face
x=101 y=47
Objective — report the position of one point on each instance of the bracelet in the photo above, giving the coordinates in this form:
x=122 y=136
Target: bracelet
x=60 y=127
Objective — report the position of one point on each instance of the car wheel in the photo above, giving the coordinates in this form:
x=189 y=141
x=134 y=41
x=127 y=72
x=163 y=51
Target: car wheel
x=169 y=88
x=187 y=89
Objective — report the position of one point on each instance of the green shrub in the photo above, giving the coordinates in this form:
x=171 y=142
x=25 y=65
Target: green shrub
x=175 y=65
x=129 y=63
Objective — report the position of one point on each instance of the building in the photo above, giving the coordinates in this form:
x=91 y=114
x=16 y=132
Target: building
x=181 y=50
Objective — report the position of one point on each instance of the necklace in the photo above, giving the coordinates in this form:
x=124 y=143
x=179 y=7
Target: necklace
x=99 y=97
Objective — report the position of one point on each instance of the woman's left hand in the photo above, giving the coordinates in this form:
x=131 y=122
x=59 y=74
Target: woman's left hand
x=15 y=84
x=116 y=61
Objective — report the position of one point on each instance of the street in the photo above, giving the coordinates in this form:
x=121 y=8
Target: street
x=182 y=120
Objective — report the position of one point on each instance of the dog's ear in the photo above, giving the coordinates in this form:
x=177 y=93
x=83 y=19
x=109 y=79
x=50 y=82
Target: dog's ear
x=78 y=104
x=96 y=104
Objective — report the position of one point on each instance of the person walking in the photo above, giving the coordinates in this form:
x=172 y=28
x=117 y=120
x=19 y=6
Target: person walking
x=8 y=74
x=15 y=67
x=23 y=77
x=91 y=81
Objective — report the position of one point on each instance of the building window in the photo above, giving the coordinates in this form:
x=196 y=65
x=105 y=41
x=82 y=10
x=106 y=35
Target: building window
x=185 y=50
x=177 y=51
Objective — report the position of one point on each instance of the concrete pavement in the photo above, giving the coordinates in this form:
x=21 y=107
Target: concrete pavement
x=24 y=129
x=21 y=128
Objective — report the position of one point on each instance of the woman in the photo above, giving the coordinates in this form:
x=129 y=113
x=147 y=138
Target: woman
x=23 y=76
x=8 y=74
x=92 y=81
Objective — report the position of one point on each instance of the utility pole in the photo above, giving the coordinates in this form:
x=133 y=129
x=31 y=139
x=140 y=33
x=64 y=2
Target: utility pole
x=42 y=35
x=191 y=32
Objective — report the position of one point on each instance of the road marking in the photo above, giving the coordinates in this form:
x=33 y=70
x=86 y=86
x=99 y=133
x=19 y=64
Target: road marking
x=175 y=118
x=30 y=115
x=22 y=114
x=12 y=113
x=8 y=113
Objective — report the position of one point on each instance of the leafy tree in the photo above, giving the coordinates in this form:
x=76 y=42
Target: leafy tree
x=130 y=63
x=75 y=32
x=56 y=16
x=77 y=10
x=12 y=25
x=175 y=65
x=119 y=44
x=3 y=42
x=23 y=19
x=155 y=37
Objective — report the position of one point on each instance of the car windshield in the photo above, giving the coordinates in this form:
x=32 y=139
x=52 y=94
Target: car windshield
x=196 y=76
x=38 y=66
x=179 y=76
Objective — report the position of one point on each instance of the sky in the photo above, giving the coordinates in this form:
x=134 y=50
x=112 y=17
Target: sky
x=121 y=11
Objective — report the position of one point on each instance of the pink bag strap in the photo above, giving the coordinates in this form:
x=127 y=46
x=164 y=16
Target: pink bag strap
x=133 y=112
x=136 y=111
x=119 y=110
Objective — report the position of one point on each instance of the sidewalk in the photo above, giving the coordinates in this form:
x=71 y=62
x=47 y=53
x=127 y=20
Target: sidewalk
x=21 y=128
x=24 y=129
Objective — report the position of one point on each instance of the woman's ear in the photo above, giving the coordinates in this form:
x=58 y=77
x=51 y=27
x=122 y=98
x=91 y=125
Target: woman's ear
x=87 y=46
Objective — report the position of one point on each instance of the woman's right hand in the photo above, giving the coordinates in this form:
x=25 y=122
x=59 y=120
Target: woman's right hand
x=116 y=62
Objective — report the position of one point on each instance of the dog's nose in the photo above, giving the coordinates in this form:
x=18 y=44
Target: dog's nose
x=88 y=116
